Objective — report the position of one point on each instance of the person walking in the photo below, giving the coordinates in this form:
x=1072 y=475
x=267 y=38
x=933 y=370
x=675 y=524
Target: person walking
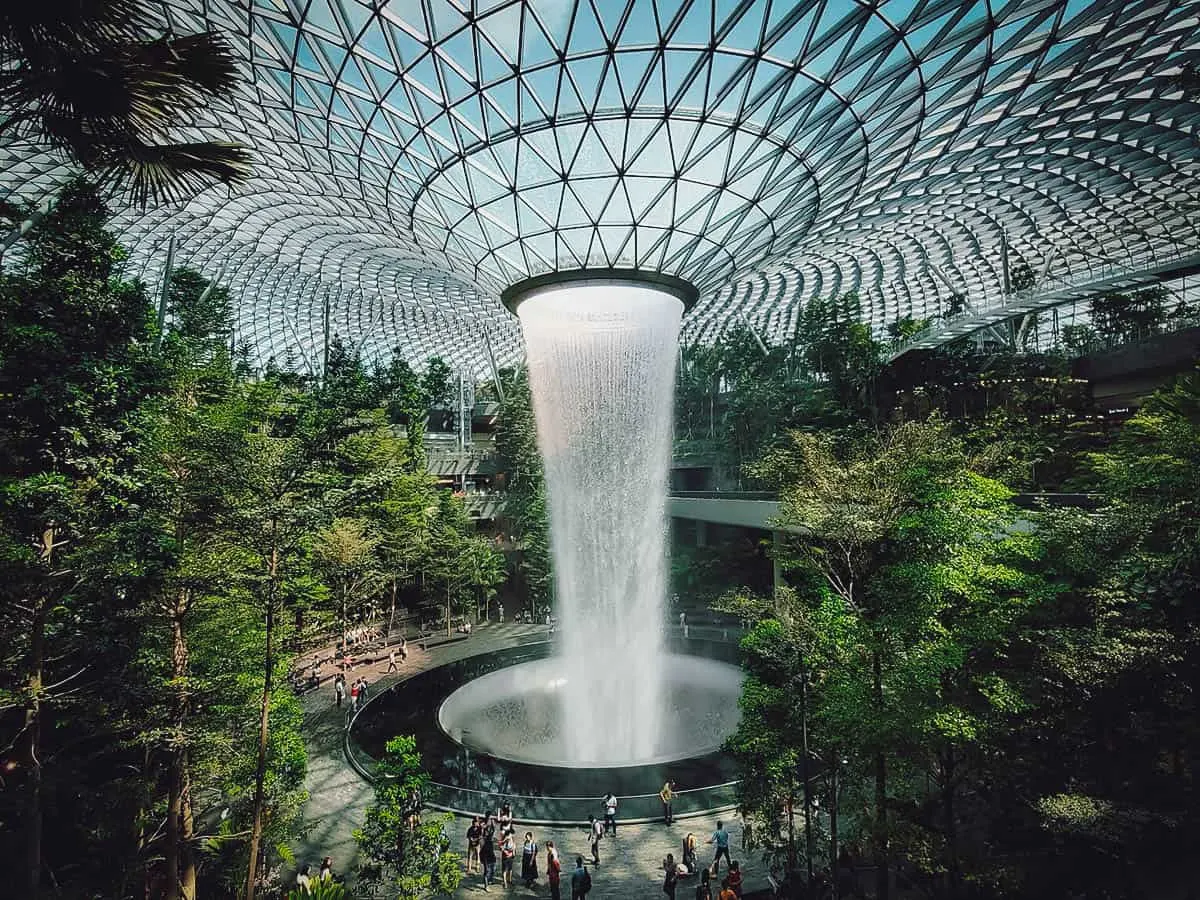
x=683 y=625
x=670 y=876
x=553 y=870
x=529 y=869
x=581 y=881
x=392 y=667
x=721 y=839
x=403 y=649
x=610 y=813
x=354 y=697
x=595 y=834
x=362 y=692
x=704 y=888
x=667 y=796
x=487 y=855
x=474 y=835
x=339 y=689
x=726 y=891
x=508 y=853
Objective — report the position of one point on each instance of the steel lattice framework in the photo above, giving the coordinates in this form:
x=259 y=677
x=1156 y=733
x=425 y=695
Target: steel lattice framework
x=415 y=157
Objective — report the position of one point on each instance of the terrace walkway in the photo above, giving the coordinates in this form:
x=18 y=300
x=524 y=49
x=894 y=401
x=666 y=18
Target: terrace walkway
x=338 y=797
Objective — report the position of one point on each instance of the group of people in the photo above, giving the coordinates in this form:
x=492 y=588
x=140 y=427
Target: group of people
x=495 y=834
x=731 y=884
x=357 y=692
x=306 y=880
x=493 y=837
x=362 y=634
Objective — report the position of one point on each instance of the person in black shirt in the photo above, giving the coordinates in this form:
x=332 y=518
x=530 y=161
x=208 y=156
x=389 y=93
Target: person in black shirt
x=474 y=834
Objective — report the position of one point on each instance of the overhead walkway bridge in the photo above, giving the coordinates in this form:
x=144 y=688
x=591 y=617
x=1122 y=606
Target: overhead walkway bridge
x=758 y=509
x=1094 y=283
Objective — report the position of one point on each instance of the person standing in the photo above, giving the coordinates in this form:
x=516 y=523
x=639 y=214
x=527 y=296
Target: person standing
x=529 y=869
x=670 y=876
x=303 y=882
x=362 y=692
x=581 y=881
x=667 y=796
x=474 y=835
x=683 y=624
x=487 y=856
x=339 y=689
x=403 y=649
x=610 y=813
x=326 y=873
x=595 y=833
x=689 y=853
x=704 y=888
x=721 y=839
x=553 y=870
x=726 y=891
x=508 y=853
x=354 y=697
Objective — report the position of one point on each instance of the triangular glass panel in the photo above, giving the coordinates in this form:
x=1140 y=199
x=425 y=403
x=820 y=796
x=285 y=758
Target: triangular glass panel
x=536 y=49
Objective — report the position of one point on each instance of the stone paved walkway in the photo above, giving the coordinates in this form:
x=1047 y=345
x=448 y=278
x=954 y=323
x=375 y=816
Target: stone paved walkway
x=630 y=866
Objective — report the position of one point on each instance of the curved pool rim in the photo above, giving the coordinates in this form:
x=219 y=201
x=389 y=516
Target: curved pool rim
x=716 y=793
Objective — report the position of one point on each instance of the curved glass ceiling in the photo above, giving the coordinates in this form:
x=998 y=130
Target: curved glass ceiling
x=415 y=157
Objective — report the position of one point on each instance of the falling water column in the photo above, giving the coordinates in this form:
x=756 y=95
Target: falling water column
x=601 y=356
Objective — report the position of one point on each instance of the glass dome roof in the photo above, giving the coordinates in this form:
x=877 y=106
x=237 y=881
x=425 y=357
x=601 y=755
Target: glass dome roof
x=415 y=157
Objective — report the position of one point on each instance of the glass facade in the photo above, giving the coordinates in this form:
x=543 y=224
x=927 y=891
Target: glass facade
x=416 y=157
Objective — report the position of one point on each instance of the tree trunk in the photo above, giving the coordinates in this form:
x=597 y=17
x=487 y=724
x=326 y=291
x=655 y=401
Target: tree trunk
x=833 y=822
x=881 y=824
x=264 y=716
x=31 y=746
x=392 y=614
x=948 y=763
x=448 y=608
x=177 y=861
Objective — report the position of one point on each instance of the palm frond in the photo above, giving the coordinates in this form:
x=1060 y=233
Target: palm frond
x=133 y=91
x=170 y=172
x=35 y=29
x=204 y=62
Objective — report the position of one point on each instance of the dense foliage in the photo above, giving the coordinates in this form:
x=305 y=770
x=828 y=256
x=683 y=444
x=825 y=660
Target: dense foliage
x=408 y=854
x=172 y=531
x=995 y=702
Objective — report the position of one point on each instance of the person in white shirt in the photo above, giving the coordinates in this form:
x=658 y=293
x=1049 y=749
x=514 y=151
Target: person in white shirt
x=610 y=813
x=303 y=881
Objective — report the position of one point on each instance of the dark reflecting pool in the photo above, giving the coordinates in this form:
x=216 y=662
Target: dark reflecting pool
x=470 y=781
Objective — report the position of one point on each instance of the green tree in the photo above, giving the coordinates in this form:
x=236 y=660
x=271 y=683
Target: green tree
x=917 y=577
x=348 y=554
x=525 y=513
x=407 y=855
x=74 y=367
